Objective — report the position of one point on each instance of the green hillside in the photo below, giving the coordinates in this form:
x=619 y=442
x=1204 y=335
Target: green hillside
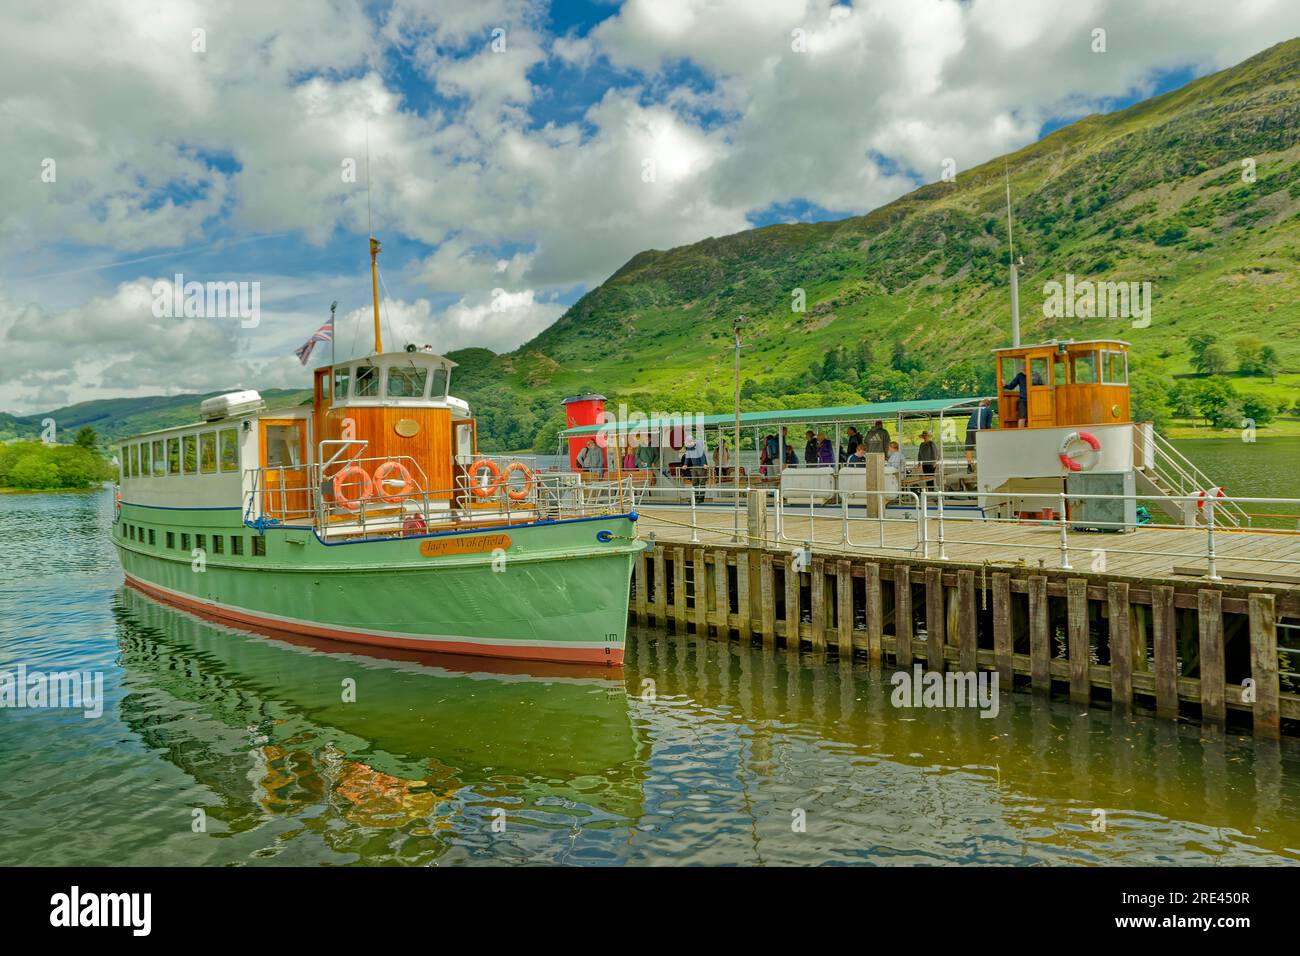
x=907 y=301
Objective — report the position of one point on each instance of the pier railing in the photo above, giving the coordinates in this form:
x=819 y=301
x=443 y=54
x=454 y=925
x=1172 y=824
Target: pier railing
x=920 y=523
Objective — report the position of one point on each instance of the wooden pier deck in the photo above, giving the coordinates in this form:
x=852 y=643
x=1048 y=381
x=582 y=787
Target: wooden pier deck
x=1135 y=620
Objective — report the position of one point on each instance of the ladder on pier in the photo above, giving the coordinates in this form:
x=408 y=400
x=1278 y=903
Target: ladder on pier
x=1163 y=473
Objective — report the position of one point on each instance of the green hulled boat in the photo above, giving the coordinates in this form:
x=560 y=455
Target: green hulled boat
x=369 y=516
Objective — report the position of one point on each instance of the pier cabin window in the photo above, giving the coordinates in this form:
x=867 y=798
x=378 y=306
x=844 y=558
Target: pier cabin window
x=1083 y=368
x=143 y=470
x=1114 y=367
x=135 y=461
x=229 y=449
x=173 y=456
x=189 y=456
x=208 y=452
x=236 y=544
x=341 y=382
x=406 y=382
x=218 y=544
x=159 y=462
x=367 y=383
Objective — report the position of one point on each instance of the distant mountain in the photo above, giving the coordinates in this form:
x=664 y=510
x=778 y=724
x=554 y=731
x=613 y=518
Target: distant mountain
x=116 y=418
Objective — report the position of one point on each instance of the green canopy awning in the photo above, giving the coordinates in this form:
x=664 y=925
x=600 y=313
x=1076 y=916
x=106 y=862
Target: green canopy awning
x=792 y=416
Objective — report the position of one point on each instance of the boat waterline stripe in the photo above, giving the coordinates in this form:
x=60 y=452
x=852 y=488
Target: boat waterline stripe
x=490 y=646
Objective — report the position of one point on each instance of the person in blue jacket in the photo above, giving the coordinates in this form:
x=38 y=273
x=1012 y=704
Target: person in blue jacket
x=981 y=418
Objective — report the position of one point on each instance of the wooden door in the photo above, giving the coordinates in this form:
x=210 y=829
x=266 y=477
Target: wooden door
x=1042 y=405
x=283 y=442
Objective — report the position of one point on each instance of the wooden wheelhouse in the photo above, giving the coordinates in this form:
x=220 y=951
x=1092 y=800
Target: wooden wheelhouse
x=1067 y=384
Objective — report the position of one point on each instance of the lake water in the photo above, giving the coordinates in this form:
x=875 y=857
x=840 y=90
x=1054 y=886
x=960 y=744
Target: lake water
x=217 y=746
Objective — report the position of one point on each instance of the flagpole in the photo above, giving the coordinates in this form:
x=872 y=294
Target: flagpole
x=333 y=331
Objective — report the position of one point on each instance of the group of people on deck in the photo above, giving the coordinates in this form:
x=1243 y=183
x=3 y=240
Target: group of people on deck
x=694 y=462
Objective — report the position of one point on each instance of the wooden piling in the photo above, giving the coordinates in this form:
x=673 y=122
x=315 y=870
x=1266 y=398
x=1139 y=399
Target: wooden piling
x=1120 y=644
x=1209 y=614
x=844 y=608
x=1040 y=641
x=903 y=616
x=967 y=638
x=661 y=588
x=1165 y=637
x=720 y=594
x=767 y=593
x=701 y=592
x=875 y=612
x=1003 y=642
x=934 y=618
x=1263 y=664
x=679 y=590
x=742 y=598
x=817 y=597
x=1076 y=590
x=791 y=605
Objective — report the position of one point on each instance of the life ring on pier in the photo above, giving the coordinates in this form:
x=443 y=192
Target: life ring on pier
x=340 y=482
x=489 y=489
x=1203 y=496
x=381 y=478
x=1089 y=439
x=523 y=493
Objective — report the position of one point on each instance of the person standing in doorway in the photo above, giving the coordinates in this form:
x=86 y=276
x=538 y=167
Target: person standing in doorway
x=980 y=419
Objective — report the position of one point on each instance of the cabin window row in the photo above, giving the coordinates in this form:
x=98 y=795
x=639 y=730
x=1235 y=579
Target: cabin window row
x=190 y=540
x=203 y=453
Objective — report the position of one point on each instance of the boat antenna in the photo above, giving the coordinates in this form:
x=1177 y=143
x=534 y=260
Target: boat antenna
x=1015 y=278
x=374 y=250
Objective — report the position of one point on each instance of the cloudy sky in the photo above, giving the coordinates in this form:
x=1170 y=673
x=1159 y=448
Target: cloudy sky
x=520 y=151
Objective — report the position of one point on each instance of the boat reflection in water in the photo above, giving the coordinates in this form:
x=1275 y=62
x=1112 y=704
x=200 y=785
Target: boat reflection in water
x=378 y=755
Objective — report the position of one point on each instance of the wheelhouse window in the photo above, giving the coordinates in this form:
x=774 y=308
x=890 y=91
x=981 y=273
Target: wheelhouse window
x=341 y=382
x=367 y=383
x=229 y=449
x=1084 y=368
x=173 y=456
x=159 y=460
x=1114 y=367
x=1060 y=371
x=1038 y=370
x=439 y=388
x=406 y=382
x=208 y=452
x=189 y=456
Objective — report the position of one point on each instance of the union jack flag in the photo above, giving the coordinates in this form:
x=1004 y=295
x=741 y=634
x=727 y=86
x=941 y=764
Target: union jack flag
x=324 y=334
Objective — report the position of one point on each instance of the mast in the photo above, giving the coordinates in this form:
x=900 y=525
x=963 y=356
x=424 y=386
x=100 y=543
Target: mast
x=374 y=289
x=1015 y=277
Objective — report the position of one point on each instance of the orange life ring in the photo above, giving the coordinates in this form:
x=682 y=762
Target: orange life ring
x=367 y=487
x=1087 y=438
x=488 y=490
x=382 y=472
x=1203 y=495
x=526 y=490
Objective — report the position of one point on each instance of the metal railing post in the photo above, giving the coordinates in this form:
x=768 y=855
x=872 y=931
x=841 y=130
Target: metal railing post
x=695 y=528
x=943 y=551
x=844 y=520
x=1065 y=542
x=924 y=519
x=1210 y=557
